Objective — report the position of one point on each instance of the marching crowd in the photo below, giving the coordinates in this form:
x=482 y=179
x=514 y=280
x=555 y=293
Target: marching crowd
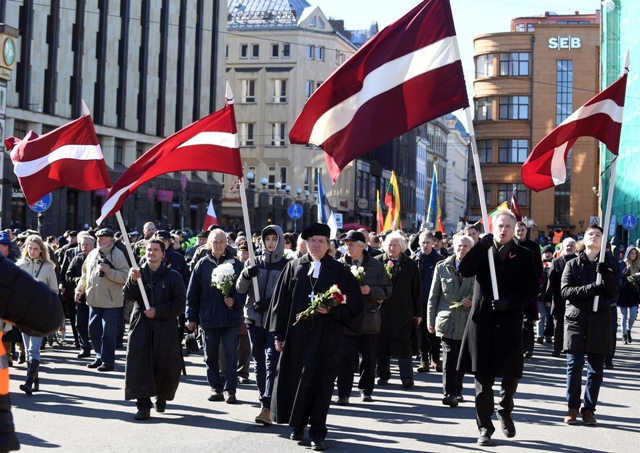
x=313 y=313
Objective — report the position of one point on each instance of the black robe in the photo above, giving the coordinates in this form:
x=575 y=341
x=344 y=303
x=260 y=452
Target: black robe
x=153 y=352
x=310 y=360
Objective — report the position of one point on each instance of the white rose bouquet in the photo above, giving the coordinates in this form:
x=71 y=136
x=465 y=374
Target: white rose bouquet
x=223 y=278
x=359 y=274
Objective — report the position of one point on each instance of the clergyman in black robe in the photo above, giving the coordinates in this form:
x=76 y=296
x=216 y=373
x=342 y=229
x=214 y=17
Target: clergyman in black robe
x=312 y=348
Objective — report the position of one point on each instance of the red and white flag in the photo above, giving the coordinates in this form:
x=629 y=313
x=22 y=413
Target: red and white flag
x=211 y=218
x=601 y=118
x=209 y=144
x=69 y=156
x=404 y=76
x=514 y=206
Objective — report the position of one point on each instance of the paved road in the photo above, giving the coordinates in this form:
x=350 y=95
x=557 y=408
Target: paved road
x=82 y=410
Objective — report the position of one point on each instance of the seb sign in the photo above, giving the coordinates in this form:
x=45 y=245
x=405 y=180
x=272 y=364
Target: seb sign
x=565 y=42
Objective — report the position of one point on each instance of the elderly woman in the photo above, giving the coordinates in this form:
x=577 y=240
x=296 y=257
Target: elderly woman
x=36 y=262
x=447 y=313
x=400 y=313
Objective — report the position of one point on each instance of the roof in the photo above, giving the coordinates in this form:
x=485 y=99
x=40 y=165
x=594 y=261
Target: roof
x=265 y=13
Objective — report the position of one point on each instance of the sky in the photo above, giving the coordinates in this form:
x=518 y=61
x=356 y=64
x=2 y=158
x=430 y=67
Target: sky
x=471 y=18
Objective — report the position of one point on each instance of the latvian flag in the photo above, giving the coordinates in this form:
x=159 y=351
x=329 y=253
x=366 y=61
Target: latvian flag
x=406 y=75
x=69 y=156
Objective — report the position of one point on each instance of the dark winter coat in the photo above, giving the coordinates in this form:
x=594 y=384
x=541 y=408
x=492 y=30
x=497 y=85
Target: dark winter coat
x=492 y=341
x=380 y=284
x=270 y=266
x=310 y=360
x=427 y=266
x=205 y=303
x=585 y=330
x=398 y=311
x=153 y=352
x=553 y=294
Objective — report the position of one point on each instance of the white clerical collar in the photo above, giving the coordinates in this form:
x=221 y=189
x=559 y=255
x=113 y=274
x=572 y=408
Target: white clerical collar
x=314 y=268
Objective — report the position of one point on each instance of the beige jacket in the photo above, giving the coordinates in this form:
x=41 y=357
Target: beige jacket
x=40 y=270
x=104 y=292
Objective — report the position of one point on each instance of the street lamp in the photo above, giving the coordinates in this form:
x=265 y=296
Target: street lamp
x=299 y=191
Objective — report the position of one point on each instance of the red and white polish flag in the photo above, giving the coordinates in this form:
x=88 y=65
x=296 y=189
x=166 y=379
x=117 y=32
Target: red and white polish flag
x=210 y=218
x=209 y=144
x=406 y=75
x=600 y=117
x=69 y=156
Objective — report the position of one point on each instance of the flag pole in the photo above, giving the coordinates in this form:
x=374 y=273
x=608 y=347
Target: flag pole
x=134 y=263
x=247 y=227
x=483 y=202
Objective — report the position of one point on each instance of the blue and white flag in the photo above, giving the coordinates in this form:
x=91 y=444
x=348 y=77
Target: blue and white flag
x=325 y=213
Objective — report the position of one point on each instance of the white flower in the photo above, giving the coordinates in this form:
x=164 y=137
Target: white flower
x=289 y=254
x=335 y=289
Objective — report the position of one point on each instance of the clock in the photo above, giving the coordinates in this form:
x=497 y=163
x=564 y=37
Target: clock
x=9 y=51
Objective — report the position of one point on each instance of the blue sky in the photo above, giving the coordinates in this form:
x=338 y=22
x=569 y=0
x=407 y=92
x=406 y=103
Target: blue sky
x=471 y=17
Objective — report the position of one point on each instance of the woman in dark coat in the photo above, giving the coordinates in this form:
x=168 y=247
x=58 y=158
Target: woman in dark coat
x=400 y=313
x=154 y=357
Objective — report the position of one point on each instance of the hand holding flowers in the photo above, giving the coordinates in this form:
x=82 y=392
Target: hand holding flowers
x=224 y=278
x=330 y=298
x=360 y=275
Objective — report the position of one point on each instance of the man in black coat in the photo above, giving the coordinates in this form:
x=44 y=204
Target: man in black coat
x=587 y=332
x=554 y=296
x=492 y=340
x=153 y=352
x=311 y=348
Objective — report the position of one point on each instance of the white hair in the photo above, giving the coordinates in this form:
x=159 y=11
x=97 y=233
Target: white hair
x=458 y=237
x=394 y=235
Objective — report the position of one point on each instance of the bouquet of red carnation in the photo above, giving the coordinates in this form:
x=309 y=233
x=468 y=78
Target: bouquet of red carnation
x=330 y=298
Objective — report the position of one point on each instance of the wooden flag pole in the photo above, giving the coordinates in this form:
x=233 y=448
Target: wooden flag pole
x=134 y=263
x=605 y=225
x=483 y=202
x=247 y=227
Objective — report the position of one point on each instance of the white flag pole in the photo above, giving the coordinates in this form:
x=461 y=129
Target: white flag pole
x=607 y=217
x=134 y=263
x=483 y=203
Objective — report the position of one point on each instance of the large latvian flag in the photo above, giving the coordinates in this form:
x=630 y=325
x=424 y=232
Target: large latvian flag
x=69 y=156
x=600 y=117
x=406 y=75
x=209 y=144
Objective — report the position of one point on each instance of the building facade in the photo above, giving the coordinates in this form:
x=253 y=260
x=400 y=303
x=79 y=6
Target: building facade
x=527 y=81
x=145 y=69
x=455 y=198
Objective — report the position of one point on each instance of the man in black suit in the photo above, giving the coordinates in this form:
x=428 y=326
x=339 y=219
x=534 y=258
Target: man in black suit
x=492 y=340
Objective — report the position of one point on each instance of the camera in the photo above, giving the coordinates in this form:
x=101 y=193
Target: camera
x=102 y=260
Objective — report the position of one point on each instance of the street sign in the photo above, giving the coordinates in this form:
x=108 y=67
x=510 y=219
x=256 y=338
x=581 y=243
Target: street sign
x=183 y=181
x=594 y=220
x=295 y=211
x=42 y=204
x=338 y=216
x=629 y=222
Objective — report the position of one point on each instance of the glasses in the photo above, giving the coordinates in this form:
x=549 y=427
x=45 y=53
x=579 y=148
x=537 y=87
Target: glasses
x=286 y=242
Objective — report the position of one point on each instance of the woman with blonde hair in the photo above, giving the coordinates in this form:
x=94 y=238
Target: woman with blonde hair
x=629 y=292
x=36 y=262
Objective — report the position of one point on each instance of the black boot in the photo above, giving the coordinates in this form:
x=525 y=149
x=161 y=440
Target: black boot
x=8 y=438
x=32 y=371
x=36 y=379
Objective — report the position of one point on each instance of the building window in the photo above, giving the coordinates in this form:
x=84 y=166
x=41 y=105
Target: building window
x=513 y=151
x=246 y=134
x=484 y=151
x=312 y=21
x=308 y=178
x=524 y=28
x=514 y=107
x=310 y=88
x=118 y=151
x=505 y=191
x=280 y=91
x=286 y=50
x=277 y=134
x=484 y=66
x=244 y=50
x=139 y=150
x=19 y=129
x=248 y=90
x=564 y=90
x=272 y=178
x=484 y=109
x=226 y=51
x=320 y=23
x=311 y=51
x=487 y=197
x=255 y=50
x=283 y=176
x=514 y=64
x=320 y=53
x=275 y=50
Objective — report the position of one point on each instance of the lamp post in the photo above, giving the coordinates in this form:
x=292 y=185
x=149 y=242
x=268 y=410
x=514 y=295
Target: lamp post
x=315 y=202
x=263 y=205
x=286 y=220
x=305 y=210
x=251 y=200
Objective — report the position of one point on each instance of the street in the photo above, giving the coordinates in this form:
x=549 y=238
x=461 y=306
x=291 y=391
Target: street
x=79 y=410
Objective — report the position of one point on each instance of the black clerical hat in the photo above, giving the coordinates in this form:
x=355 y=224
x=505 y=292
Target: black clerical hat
x=316 y=229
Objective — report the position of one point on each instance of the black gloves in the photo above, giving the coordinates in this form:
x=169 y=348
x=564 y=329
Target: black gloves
x=250 y=272
x=487 y=241
x=598 y=290
x=261 y=305
x=602 y=269
x=499 y=304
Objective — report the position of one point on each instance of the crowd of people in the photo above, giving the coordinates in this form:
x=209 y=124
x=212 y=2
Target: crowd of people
x=313 y=312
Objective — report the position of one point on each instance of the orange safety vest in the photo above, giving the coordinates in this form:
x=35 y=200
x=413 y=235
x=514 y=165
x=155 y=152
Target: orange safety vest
x=557 y=237
x=4 y=369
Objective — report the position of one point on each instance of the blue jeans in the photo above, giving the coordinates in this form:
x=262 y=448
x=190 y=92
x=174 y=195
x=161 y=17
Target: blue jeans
x=628 y=317
x=543 y=313
x=82 y=326
x=32 y=346
x=229 y=338
x=595 y=367
x=265 y=361
x=103 y=326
